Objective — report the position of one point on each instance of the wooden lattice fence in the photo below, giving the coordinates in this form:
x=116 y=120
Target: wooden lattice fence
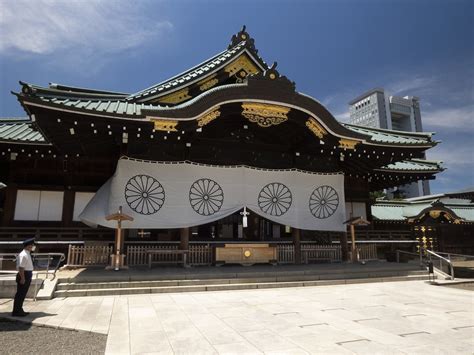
x=285 y=253
x=314 y=253
x=88 y=255
x=199 y=254
x=367 y=251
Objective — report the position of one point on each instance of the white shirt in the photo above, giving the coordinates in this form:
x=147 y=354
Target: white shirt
x=24 y=260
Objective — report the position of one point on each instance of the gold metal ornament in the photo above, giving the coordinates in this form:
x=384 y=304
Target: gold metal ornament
x=241 y=63
x=165 y=125
x=316 y=128
x=176 y=97
x=265 y=115
x=247 y=253
x=208 y=117
x=208 y=83
x=347 y=143
x=435 y=214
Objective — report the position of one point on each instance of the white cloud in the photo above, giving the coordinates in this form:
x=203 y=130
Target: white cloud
x=343 y=117
x=460 y=157
x=416 y=86
x=459 y=161
x=95 y=26
x=461 y=118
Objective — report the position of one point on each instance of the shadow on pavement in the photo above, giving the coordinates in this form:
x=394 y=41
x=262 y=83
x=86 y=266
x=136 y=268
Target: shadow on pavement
x=23 y=322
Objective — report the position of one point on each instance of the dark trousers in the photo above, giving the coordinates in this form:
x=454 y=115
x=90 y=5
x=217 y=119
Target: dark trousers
x=21 y=291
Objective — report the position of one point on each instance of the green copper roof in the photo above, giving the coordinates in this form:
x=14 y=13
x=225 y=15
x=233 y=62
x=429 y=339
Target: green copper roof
x=389 y=136
x=386 y=212
x=120 y=107
x=20 y=131
x=414 y=165
x=195 y=73
x=400 y=210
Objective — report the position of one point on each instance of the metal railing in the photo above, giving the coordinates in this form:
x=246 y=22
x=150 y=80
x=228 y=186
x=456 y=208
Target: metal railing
x=440 y=262
x=453 y=257
x=416 y=255
x=42 y=262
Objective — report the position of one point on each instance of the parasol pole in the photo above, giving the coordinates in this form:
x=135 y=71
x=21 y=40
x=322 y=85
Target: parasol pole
x=117 y=261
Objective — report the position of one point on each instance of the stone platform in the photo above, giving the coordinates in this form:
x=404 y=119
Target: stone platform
x=98 y=282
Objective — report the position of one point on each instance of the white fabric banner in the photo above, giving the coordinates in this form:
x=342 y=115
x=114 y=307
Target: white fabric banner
x=161 y=195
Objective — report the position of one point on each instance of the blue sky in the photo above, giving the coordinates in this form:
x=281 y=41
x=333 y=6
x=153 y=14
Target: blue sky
x=333 y=50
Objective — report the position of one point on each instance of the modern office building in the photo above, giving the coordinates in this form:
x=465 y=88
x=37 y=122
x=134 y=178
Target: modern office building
x=375 y=108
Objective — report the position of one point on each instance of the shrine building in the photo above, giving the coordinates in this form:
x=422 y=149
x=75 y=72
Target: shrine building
x=226 y=153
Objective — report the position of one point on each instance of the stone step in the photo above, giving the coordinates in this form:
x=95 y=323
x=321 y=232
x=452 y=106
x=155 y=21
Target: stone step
x=62 y=286
x=227 y=286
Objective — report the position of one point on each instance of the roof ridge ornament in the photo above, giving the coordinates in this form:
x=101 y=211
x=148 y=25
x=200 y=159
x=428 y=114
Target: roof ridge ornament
x=243 y=35
x=272 y=74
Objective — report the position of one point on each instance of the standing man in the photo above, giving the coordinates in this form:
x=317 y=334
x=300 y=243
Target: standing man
x=24 y=265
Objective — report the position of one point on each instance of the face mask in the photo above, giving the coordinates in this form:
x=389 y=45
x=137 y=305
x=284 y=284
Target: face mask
x=33 y=248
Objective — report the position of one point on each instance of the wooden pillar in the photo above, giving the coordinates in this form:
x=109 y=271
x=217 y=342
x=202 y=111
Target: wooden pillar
x=68 y=208
x=9 y=204
x=184 y=238
x=296 y=234
x=353 y=245
x=343 y=241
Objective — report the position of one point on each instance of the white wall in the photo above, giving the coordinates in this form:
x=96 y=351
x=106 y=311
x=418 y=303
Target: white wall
x=27 y=205
x=39 y=205
x=81 y=200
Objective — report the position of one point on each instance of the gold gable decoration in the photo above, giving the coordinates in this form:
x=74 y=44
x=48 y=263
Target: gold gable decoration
x=316 y=128
x=175 y=97
x=435 y=214
x=241 y=63
x=208 y=117
x=165 y=125
x=347 y=143
x=208 y=83
x=265 y=115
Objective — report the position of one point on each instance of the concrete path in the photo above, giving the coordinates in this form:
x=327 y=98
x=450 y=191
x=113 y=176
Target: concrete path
x=378 y=318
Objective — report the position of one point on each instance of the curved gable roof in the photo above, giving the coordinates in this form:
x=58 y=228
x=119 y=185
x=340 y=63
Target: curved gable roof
x=241 y=44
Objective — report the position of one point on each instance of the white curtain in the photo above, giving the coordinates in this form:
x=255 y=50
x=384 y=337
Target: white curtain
x=182 y=194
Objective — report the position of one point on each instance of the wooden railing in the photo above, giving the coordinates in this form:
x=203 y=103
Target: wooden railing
x=312 y=252
x=202 y=253
x=199 y=254
x=285 y=253
x=386 y=235
x=367 y=252
x=93 y=255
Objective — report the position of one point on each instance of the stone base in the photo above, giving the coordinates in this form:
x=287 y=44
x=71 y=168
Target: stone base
x=113 y=264
x=8 y=287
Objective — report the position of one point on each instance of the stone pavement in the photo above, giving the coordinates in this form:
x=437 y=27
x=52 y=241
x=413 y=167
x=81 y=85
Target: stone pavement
x=374 y=318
